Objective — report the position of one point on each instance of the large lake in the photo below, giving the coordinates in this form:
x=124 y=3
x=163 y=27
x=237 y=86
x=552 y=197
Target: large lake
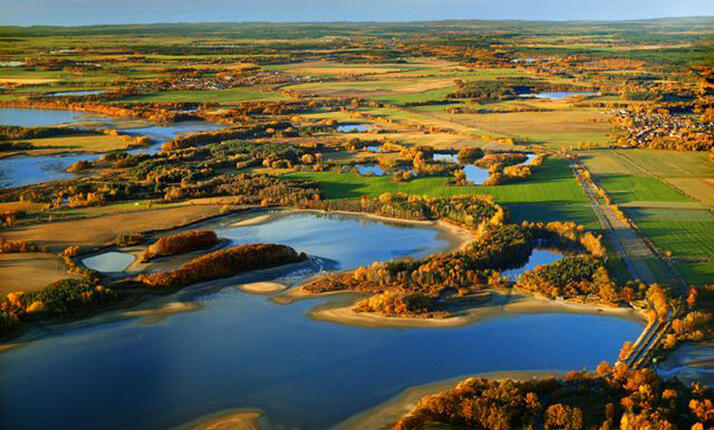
x=245 y=351
x=22 y=170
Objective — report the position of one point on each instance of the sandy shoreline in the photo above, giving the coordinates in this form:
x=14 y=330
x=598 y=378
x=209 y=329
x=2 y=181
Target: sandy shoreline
x=390 y=411
x=502 y=301
x=228 y=420
x=262 y=287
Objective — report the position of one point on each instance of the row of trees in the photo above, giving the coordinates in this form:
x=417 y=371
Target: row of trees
x=180 y=243
x=222 y=264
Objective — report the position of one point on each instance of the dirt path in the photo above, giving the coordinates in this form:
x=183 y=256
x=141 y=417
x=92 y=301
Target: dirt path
x=633 y=250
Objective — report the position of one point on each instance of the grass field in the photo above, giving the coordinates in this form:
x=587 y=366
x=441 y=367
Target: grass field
x=550 y=194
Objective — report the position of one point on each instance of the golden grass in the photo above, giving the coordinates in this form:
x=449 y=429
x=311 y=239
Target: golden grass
x=28 y=272
x=99 y=231
x=88 y=143
x=26 y=81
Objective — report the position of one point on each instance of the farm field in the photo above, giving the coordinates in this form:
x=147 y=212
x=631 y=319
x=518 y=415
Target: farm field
x=643 y=184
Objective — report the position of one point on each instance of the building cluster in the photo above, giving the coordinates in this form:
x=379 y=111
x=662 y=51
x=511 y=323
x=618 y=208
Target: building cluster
x=662 y=130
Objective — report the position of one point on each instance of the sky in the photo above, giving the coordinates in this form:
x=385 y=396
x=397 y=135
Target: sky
x=89 y=12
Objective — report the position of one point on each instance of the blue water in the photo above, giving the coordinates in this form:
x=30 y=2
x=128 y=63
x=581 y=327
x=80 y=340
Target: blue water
x=476 y=175
x=352 y=128
x=108 y=262
x=245 y=351
x=449 y=158
x=537 y=258
x=77 y=93
x=37 y=117
x=370 y=170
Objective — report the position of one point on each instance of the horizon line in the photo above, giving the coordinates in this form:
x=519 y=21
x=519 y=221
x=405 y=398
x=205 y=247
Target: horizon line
x=446 y=20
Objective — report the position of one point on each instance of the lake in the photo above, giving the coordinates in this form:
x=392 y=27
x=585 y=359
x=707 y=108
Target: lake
x=244 y=351
x=23 y=170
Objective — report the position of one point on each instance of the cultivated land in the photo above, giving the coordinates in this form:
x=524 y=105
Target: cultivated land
x=631 y=161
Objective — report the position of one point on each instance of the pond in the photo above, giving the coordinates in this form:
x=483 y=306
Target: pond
x=244 y=351
x=370 y=170
x=374 y=148
x=538 y=257
x=476 y=175
x=352 y=128
x=529 y=159
x=444 y=156
x=77 y=93
x=108 y=262
x=23 y=170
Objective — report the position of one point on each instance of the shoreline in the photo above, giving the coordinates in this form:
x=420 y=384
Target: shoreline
x=262 y=287
x=502 y=301
x=231 y=419
x=457 y=236
x=389 y=412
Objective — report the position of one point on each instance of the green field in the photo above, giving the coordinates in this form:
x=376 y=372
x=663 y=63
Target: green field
x=233 y=95
x=550 y=194
x=643 y=183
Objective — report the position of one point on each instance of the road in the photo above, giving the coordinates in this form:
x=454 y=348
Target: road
x=633 y=250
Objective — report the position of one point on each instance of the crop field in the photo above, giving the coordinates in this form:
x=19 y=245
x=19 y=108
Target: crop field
x=689 y=172
x=674 y=219
x=625 y=182
x=564 y=127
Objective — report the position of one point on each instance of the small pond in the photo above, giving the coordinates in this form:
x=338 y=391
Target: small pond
x=444 y=156
x=109 y=262
x=476 y=175
x=537 y=258
x=352 y=128
x=77 y=93
x=370 y=170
